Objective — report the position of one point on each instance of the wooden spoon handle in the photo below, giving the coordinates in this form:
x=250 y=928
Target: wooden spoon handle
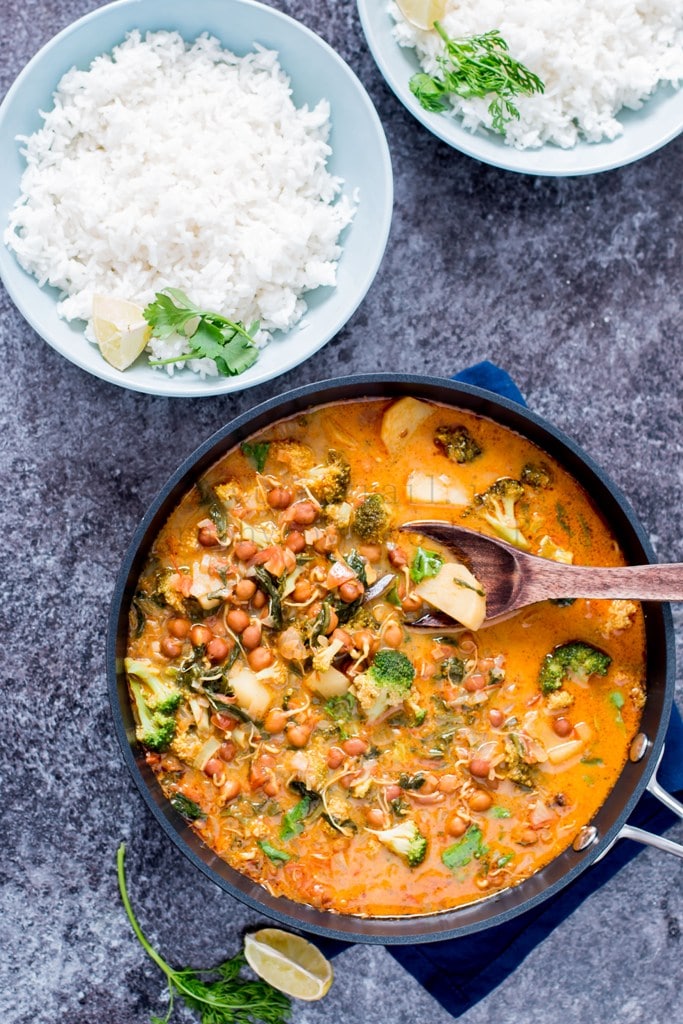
x=547 y=579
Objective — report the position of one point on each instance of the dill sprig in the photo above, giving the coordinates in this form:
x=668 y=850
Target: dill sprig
x=225 y=998
x=478 y=66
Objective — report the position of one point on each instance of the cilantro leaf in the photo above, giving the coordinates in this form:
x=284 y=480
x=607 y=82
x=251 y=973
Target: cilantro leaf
x=257 y=453
x=272 y=853
x=209 y=335
x=424 y=565
x=461 y=853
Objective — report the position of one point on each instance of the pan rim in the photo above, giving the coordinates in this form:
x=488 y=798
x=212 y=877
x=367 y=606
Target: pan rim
x=458 y=921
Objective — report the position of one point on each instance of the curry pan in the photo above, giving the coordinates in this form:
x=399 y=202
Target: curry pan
x=639 y=773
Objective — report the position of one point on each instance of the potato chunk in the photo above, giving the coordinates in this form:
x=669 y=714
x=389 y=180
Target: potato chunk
x=455 y=591
x=401 y=420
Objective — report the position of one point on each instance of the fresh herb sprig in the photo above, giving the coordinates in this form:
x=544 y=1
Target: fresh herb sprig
x=227 y=998
x=209 y=335
x=476 y=67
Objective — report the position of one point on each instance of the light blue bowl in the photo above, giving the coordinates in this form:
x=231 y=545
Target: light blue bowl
x=359 y=155
x=658 y=121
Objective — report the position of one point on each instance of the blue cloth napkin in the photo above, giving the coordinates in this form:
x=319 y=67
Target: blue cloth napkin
x=460 y=972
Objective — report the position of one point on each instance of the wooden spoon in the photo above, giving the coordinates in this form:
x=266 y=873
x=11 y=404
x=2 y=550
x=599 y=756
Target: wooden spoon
x=513 y=579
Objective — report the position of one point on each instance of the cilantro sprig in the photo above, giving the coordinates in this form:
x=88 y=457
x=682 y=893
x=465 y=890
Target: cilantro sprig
x=475 y=67
x=209 y=335
x=224 y=997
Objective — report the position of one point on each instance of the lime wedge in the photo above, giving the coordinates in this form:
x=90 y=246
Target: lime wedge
x=422 y=13
x=120 y=329
x=288 y=963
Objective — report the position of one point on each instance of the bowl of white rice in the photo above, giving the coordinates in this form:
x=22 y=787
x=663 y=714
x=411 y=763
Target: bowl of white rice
x=612 y=72
x=218 y=148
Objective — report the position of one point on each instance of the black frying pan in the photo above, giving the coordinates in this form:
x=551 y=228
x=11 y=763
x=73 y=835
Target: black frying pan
x=638 y=774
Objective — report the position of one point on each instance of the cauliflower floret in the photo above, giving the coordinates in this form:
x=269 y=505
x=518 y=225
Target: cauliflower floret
x=295 y=455
x=547 y=548
x=558 y=700
x=620 y=615
x=228 y=492
x=187 y=745
x=339 y=515
x=172 y=588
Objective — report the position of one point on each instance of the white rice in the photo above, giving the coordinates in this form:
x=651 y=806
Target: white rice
x=175 y=165
x=594 y=57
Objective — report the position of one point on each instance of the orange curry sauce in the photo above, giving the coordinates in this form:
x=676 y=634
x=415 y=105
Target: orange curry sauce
x=488 y=777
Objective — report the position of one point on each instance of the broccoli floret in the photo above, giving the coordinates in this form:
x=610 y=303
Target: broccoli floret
x=154 y=729
x=386 y=684
x=497 y=507
x=166 y=592
x=371 y=519
x=536 y=474
x=515 y=767
x=456 y=443
x=573 y=661
x=405 y=840
x=329 y=483
x=160 y=694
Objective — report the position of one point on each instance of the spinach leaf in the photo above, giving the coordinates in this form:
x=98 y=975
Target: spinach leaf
x=461 y=853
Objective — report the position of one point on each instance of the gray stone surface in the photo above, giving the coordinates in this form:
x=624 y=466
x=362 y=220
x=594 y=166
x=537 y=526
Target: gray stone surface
x=574 y=287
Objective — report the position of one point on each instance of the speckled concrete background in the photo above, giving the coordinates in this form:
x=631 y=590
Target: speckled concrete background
x=573 y=286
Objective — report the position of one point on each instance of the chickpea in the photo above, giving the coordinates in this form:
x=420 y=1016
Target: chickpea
x=302 y=590
x=335 y=756
x=207 y=536
x=363 y=638
x=298 y=735
x=398 y=558
x=251 y=636
x=245 y=549
x=562 y=727
x=455 y=826
x=227 y=750
x=214 y=766
x=354 y=746
x=245 y=590
x=260 y=658
x=275 y=721
x=480 y=800
x=448 y=783
x=170 y=647
x=259 y=600
x=295 y=541
x=279 y=497
x=237 y=619
x=351 y=591
x=271 y=788
x=346 y=638
x=411 y=603
x=393 y=635
x=371 y=552
x=392 y=792
x=430 y=784
x=178 y=627
x=376 y=818
x=527 y=837
x=328 y=542
x=474 y=683
x=200 y=635
x=304 y=513
x=226 y=723
x=480 y=767
x=231 y=789
x=218 y=648
x=496 y=718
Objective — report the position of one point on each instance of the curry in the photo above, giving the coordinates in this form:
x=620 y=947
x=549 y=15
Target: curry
x=315 y=741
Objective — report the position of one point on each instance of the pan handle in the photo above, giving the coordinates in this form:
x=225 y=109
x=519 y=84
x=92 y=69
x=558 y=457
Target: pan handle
x=639 y=835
